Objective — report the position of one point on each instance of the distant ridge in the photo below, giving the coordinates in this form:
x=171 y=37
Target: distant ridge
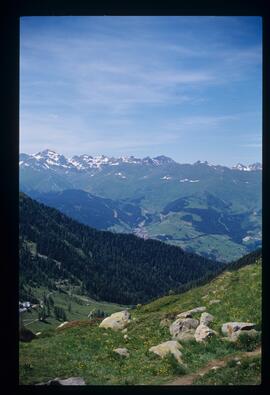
x=49 y=159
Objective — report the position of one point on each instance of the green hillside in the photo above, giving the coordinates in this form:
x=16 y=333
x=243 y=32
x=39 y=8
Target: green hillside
x=85 y=350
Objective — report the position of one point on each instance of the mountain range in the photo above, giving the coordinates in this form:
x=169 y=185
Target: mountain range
x=50 y=159
x=209 y=209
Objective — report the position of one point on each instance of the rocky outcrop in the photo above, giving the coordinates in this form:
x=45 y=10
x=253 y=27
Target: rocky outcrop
x=235 y=335
x=183 y=328
x=122 y=351
x=206 y=318
x=232 y=330
x=169 y=347
x=203 y=332
x=189 y=313
x=116 y=321
x=68 y=381
x=229 y=327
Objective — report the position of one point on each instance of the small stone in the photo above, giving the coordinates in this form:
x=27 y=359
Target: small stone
x=213 y=301
x=63 y=324
x=122 y=351
x=126 y=337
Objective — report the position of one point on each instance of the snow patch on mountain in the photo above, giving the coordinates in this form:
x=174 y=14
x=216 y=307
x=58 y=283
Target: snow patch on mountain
x=120 y=175
x=166 y=178
x=188 y=180
x=253 y=167
x=49 y=159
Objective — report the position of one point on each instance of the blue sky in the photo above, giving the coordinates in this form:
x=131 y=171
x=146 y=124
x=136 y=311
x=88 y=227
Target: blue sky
x=186 y=87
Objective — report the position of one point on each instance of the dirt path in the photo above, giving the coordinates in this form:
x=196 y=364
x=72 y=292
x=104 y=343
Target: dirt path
x=188 y=379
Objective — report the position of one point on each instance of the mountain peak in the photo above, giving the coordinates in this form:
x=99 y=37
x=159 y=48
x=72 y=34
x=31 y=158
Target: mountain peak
x=253 y=167
x=199 y=162
x=162 y=159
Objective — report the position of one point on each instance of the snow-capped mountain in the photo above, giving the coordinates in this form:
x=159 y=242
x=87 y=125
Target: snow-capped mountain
x=153 y=197
x=253 y=167
x=50 y=159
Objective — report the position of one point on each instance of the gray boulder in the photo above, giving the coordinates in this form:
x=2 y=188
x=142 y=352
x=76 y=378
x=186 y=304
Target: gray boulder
x=203 y=332
x=183 y=328
x=189 y=313
x=206 y=318
x=169 y=347
x=235 y=335
x=229 y=328
x=68 y=381
x=116 y=321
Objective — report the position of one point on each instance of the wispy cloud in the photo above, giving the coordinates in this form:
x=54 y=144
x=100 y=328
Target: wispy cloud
x=130 y=83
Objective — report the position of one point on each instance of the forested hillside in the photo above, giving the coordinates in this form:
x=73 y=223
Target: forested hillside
x=106 y=266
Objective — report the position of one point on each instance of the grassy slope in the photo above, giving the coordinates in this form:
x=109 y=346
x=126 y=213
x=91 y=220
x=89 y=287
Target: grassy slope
x=86 y=350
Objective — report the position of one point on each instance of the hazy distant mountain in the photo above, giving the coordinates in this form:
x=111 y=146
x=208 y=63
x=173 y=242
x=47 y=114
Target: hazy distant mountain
x=210 y=209
x=49 y=159
x=92 y=210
